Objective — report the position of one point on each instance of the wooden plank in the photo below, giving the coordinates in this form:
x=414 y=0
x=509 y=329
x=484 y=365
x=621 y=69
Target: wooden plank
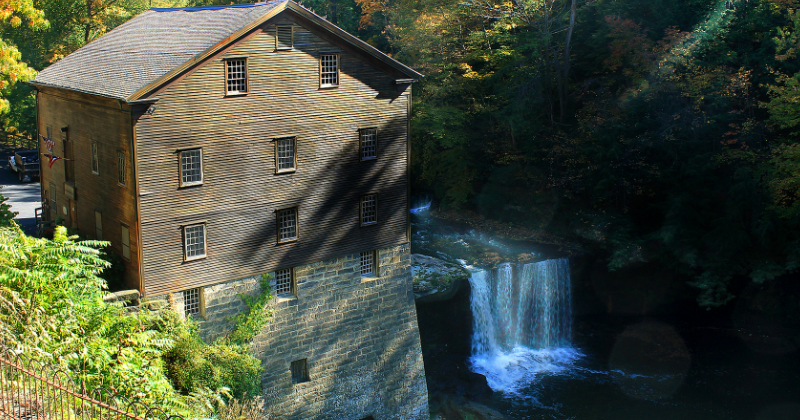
x=241 y=192
x=104 y=121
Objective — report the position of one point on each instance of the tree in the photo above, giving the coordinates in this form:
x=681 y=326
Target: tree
x=13 y=14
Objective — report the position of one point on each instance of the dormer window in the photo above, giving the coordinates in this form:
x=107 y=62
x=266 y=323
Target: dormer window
x=328 y=70
x=236 y=76
x=284 y=37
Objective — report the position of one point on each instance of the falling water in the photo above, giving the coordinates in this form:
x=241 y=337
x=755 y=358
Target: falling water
x=522 y=322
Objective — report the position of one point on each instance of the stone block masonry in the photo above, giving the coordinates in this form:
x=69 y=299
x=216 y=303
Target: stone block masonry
x=358 y=336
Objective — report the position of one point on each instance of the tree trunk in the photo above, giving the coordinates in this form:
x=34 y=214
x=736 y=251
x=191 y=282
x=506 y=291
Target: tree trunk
x=564 y=88
x=334 y=12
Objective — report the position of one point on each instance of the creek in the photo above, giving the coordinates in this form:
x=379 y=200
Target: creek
x=540 y=335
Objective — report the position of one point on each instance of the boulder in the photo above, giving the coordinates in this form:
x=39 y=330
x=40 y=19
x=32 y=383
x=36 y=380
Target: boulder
x=129 y=296
x=436 y=280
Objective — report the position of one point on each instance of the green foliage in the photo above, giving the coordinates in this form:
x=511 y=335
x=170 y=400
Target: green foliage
x=193 y=365
x=679 y=143
x=249 y=324
x=6 y=215
x=51 y=306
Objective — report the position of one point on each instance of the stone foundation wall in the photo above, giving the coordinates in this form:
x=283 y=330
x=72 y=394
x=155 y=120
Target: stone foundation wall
x=358 y=336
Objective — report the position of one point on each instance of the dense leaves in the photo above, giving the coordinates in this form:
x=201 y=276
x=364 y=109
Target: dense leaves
x=672 y=138
x=52 y=308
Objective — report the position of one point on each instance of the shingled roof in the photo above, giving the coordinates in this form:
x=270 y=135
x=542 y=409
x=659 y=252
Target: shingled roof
x=148 y=48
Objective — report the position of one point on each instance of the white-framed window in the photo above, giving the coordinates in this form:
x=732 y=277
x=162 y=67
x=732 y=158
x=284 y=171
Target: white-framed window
x=126 y=242
x=369 y=143
x=193 y=302
x=194 y=242
x=369 y=209
x=369 y=264
x=284 y=37
x=236 y=75
x=121 y=167
x=329 y=70
x=286 y=154
x=287 y=224
x=98 y=225
x=191 y=167
x=95 y=159
x=284 y=281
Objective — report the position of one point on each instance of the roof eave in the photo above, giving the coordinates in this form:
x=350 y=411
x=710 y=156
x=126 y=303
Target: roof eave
x=37 y=85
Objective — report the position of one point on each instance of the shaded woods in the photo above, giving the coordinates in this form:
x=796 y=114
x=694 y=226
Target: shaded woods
x=651 y=130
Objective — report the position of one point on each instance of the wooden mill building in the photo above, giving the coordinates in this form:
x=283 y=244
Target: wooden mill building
x=212 y=145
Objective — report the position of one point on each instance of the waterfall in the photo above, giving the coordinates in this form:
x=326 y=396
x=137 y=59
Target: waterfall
x=522 y=324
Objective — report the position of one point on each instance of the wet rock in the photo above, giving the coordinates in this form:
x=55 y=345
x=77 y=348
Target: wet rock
x=445 y=407
x=436 y=280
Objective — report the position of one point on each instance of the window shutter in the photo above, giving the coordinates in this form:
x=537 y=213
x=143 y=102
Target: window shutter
x=284 y=37
x=98 y=225
x=126 y=243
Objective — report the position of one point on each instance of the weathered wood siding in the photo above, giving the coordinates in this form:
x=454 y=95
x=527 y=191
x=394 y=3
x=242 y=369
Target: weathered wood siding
x=92 y=119
x=241 y=192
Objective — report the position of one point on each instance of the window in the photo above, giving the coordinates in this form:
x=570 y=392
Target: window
x=369 y=265
x=300 y=371
x=121 y=168
x=194 y=242
x=284 y=281
x=284 y=37
x=126 y=242
x=369 y=143
x=192 y=302
x=329 y=70
x=191 y=167
x=236 y=75
x=369 y=209
x=285 y=156
x=287 y=225
x=98 y=225
x=95 y=160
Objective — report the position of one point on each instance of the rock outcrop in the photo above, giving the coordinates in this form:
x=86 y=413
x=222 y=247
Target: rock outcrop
x=436 y=280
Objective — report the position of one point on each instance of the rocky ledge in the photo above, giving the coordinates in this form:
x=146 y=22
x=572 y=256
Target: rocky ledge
x=436 y=280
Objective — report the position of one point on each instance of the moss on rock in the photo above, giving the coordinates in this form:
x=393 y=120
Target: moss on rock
x=436 y=279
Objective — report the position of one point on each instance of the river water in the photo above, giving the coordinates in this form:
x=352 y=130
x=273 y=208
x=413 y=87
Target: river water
x=543 y=361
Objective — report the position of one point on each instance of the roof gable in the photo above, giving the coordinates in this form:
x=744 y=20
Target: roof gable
x=159 y=44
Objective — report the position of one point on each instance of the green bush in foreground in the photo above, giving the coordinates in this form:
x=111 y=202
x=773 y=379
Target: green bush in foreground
x=51 y=307
x=194 y=365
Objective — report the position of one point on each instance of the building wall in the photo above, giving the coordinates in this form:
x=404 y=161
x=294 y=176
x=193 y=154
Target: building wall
x=108 y=123
x=359 y=337
x=241 y=191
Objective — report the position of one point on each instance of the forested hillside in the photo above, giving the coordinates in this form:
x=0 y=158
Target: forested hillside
x=658 y=130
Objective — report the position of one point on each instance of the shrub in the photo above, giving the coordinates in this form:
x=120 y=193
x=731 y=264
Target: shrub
x=192 y=365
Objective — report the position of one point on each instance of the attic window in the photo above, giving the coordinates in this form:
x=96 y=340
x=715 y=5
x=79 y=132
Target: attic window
x=284 y=37
x=236 y=75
